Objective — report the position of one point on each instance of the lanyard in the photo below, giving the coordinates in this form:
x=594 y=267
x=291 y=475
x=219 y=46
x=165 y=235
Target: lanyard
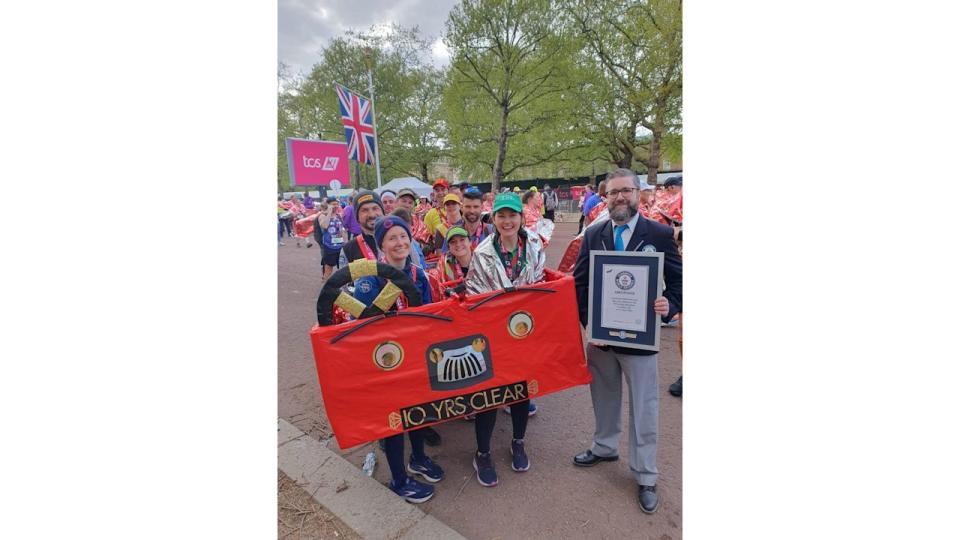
x=476 y=237
x=365 y=249
x=402 y=299
x=452 y=271
x=515 y=265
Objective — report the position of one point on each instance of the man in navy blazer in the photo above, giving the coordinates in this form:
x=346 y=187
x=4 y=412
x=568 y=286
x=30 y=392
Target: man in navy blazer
x=627 y=230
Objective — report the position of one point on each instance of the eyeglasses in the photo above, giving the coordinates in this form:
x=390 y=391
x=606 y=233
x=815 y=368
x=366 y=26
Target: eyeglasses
x=614 y=193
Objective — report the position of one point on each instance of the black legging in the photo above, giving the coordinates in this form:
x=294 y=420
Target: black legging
x=519 y=413
x=580 y=228
x=288 y=225
x=393 y=448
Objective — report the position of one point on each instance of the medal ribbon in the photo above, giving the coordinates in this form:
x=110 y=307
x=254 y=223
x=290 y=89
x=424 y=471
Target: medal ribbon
x=475 y=237
x=452 y=271
x=515 y=265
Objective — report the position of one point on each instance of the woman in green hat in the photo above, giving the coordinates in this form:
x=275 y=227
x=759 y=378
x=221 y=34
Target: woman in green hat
x=512 y=256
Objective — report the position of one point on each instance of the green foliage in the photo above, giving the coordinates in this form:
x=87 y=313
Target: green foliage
x=639 y=46
x=534 y=88
x=513 y=89
x=407 y=98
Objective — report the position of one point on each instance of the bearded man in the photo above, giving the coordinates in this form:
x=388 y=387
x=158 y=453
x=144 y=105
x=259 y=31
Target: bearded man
x=627 y=230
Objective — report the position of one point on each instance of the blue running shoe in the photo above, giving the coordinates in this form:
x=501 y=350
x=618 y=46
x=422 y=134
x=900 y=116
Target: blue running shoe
x=412 y=491
x=427 y=469
x=532 y=409
x=520 y=461
x=486 y=474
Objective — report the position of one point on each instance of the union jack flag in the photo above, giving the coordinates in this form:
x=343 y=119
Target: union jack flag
x=357 y=115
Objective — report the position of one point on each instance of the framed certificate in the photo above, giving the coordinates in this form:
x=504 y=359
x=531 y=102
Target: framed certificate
x=623 y=286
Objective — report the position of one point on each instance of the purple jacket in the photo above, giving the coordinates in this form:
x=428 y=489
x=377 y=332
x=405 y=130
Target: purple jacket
x=350 y=222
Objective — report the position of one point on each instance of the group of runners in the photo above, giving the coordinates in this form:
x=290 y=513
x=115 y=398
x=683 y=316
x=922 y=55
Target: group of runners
x=486 y=242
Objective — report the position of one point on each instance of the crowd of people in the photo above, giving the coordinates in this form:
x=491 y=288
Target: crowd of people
x=458 y=236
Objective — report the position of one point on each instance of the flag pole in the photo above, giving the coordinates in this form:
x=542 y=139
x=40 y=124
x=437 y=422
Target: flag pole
x=373 y=110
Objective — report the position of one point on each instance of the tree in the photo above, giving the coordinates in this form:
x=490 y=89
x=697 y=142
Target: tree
x=407 y=122
x=510 y=95
x=640 y=46
x=420 y=129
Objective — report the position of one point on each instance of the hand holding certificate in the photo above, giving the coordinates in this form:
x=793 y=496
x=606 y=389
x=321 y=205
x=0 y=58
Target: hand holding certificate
x=624 y=299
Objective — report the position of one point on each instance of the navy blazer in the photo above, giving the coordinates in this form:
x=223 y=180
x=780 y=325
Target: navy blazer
x=648 y=232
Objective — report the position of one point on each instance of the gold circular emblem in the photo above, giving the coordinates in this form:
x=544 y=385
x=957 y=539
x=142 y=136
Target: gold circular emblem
x=436 y=355
x=520 y=324
x=388 y=355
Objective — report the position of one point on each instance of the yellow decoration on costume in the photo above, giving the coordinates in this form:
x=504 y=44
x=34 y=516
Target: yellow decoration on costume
x=394 y=420
x=479 y=345
x=349 y=304
x=362 y=268
x=533 y=387
x=388 y=295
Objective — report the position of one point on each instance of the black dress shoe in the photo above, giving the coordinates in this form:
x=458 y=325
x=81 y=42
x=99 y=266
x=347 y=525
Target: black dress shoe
x=649 y=500
x=589 y=459
x=676 y=389
x=431 y=437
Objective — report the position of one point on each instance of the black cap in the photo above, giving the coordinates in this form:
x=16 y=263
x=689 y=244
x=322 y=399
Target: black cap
x=363 y=197
x=674 y=181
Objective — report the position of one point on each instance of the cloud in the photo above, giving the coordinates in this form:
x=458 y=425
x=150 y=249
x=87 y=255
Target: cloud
x=304 y=27
x=440 y=51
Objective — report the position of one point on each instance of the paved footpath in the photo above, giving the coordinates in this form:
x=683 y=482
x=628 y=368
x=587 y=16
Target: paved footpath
x=553 y=499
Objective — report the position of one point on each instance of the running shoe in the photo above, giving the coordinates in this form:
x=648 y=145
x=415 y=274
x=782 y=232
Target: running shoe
x=520 y=462
x=412 y=491
x=425 y=468
x=486 y=474
x=532 y=408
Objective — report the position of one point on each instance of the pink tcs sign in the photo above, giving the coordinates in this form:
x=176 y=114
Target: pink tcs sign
x=318 y=163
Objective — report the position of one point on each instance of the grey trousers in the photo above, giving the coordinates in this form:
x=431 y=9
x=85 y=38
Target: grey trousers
x=642 y=425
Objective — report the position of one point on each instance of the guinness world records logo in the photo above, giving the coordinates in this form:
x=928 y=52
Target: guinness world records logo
x=625 y=280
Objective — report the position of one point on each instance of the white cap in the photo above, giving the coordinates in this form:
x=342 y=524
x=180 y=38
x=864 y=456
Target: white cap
x=644 y=186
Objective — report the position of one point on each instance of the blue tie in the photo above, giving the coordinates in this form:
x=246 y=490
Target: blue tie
x=618 y=237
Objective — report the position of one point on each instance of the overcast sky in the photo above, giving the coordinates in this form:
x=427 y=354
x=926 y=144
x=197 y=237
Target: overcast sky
x=305 y=26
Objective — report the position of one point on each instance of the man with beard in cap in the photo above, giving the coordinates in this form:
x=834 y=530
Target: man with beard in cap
x=627 y=230
x=366 y=209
